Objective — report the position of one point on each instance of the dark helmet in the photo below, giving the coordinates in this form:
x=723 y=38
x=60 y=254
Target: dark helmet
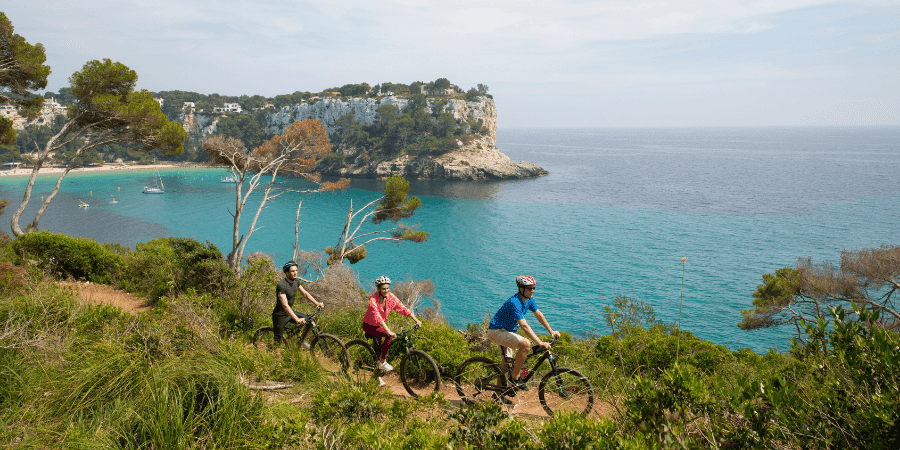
x=287 y=266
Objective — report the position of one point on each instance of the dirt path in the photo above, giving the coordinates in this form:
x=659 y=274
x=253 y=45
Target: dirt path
x=525 y=404
x=104 y=295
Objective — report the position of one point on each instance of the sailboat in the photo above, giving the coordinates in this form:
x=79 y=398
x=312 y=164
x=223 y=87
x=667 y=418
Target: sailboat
x=114 y=201
x=82 y=204
x=228 y=180
x=158 y=189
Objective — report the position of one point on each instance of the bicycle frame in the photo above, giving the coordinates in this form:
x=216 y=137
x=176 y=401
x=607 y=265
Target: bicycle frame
x=507 y=363
x=310 y=324
x=402 y=344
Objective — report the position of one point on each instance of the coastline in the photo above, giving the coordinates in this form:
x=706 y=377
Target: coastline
x=103 y=168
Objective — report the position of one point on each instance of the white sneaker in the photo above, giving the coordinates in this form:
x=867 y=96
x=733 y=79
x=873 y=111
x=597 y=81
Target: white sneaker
x=385 y=366
x=381 y=382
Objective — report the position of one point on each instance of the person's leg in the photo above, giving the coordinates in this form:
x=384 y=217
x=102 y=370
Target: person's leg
x=511 y=342
x=278 y=323
x=524 y=349
x=381 y=338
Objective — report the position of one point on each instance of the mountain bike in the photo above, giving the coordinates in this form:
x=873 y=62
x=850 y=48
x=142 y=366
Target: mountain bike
x=324 y=346
x=418 y=371
x=480 y=379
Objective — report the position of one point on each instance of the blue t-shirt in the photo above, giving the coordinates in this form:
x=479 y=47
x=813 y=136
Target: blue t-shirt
x=511 y=312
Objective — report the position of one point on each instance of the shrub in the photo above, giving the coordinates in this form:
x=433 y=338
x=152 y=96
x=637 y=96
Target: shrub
x=167 y=266
x=350 y=402
x=12 y=278
x=572 y=431
x=247 y=301
x=67 y=256
x=446 y=346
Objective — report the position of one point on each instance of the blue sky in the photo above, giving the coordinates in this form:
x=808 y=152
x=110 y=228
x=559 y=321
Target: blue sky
x=561 y=64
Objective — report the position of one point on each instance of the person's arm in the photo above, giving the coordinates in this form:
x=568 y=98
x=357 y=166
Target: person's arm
x=531 y=334
x=400 y=308
x=310 y=297
x=284 y=304
x=543 y=321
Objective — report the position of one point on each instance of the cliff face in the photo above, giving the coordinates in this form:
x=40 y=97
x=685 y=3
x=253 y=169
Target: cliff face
x=364 y=109
x=198 y=126
x=476 y=159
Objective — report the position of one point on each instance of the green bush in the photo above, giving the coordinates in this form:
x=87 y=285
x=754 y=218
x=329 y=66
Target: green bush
x=350 y=402
x=167 y=266
x=446 y=346
x=651 y=352
x=571 y=431
x=66 y=256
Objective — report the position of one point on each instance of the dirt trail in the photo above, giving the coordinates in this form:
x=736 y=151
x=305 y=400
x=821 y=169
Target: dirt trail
x=104 y=295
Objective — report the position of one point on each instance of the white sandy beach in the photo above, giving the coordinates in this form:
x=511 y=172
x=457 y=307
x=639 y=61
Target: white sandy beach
x=105 y=167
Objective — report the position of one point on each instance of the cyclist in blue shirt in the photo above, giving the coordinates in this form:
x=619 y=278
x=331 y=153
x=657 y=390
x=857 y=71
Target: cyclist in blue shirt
x=511 y=316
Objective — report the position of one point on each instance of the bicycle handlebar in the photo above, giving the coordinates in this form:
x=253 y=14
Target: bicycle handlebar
x=408 y=330
x=536 y=349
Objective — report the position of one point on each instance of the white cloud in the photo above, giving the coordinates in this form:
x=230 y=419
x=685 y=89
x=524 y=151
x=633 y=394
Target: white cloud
x=669 y=49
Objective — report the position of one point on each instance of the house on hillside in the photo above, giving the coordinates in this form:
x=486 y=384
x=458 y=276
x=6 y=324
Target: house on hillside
x=440 y=92
x=229 y=107
x=51 y=105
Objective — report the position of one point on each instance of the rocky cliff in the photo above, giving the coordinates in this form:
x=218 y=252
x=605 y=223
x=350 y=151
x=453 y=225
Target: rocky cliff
x=475 y=158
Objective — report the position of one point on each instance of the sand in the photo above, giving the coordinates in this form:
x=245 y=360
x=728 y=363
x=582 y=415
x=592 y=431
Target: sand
x=105 y=167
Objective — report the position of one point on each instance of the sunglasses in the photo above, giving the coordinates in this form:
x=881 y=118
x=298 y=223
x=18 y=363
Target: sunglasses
x=529 y=288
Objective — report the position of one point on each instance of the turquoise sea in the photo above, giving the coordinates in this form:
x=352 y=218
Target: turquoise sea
x=618 y=211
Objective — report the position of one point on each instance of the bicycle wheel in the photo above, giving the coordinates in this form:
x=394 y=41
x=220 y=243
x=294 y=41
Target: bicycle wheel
x=566 y=389
x=477 y=379
x=419 y=374
x=361 y=361
x=330 y=351
x=264 y=338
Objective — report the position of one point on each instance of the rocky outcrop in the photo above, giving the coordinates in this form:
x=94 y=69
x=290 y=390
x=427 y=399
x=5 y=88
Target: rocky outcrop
x=476 y=159
x=198 y=126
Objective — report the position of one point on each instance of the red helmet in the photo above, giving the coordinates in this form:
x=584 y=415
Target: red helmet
x=525 y=281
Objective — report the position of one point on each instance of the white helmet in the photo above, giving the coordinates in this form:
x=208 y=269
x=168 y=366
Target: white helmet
x=525 y=281
x=382 y=280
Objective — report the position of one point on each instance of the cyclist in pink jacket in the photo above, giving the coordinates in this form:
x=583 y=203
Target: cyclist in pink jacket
x=381 y=303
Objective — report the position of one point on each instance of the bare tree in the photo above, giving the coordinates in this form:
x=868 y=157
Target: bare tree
x=393 y=205
x=869 y=278
x=293 y=152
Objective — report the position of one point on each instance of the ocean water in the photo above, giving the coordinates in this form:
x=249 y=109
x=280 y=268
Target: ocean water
x=618 y=211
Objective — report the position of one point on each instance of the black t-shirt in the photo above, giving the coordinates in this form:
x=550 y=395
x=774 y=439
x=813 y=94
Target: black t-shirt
x=289 y=290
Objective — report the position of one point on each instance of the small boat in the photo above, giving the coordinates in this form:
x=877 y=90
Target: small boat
x=158 y=189
x=113 y=201
x=228 y=180
x=82 y=204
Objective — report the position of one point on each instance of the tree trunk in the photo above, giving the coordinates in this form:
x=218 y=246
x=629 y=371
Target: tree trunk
x=14 y=223
x=38 y=163
x=297 y=232
x=37 y=216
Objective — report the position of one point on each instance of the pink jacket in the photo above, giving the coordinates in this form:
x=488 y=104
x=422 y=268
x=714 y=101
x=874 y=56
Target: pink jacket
x=376 y=315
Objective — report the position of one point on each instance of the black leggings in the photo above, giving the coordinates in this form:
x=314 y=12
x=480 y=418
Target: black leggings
x=279 y=320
